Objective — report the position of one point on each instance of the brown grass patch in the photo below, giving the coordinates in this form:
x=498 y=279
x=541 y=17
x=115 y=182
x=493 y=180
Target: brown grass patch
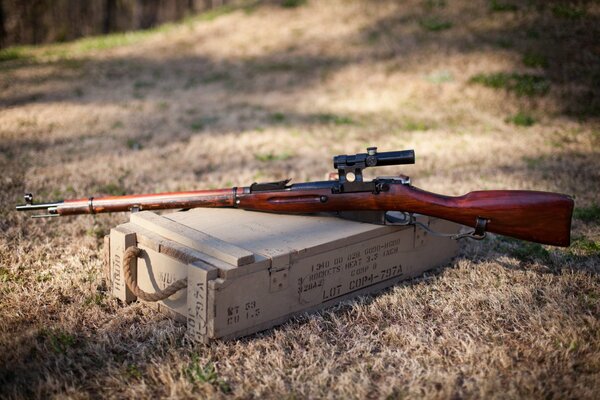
x=272 y=92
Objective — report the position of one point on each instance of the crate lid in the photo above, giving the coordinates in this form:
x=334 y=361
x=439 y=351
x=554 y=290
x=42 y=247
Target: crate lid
x=273 y=235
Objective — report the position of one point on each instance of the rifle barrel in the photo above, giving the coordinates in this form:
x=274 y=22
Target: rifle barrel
x=40 y=206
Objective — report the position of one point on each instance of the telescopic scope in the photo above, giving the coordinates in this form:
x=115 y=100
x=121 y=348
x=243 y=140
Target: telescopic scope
x=374 y=159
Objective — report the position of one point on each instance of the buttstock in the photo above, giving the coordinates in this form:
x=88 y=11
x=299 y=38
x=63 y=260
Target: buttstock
x=541 y=217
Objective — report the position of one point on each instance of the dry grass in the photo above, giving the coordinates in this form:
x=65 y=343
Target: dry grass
x=266 y=92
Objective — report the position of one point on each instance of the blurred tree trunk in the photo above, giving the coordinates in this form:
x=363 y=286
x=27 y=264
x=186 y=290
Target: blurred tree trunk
x=2 y=29
x=110 y=16
x=36 y=11
x=149 y=13
x=42 y=21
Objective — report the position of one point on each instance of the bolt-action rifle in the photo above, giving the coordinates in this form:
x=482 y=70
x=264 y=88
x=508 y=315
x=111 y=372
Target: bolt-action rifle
x=541 y=217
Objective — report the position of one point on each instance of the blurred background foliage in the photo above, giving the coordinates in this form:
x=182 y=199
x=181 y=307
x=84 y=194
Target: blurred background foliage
x=48 y=21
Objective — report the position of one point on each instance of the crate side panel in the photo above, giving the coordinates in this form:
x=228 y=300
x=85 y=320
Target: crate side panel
x=242 y=303
x=199 y=274
x=120 y=239
x=241 y=312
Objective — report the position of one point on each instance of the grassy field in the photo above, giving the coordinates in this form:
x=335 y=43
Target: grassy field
x=498 y=94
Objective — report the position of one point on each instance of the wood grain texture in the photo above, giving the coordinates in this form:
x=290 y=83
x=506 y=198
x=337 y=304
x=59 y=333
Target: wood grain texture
x=155 y=201
x=193 y=238
x=541 y=217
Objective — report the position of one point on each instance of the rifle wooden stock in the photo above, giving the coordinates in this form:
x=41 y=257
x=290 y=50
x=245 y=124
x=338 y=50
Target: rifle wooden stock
x=541 y=217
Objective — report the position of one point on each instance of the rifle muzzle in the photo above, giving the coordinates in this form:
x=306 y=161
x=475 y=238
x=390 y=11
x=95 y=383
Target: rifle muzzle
x=51 y=208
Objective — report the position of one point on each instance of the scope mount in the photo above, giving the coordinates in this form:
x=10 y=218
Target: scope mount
x=350 y=169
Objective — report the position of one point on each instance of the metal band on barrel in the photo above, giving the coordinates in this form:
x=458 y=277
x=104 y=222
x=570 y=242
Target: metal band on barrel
x=90 y=205
x=235 y=198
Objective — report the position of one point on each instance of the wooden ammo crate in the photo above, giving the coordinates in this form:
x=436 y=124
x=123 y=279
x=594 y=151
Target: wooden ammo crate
x=248 y=271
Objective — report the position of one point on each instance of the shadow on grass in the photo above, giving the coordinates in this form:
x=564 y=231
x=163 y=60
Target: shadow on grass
x=556 y=42
x=583 y=255
x=565 y=172
x=55 y=360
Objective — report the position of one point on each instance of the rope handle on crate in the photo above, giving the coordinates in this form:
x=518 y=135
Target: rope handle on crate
x=131 y=254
